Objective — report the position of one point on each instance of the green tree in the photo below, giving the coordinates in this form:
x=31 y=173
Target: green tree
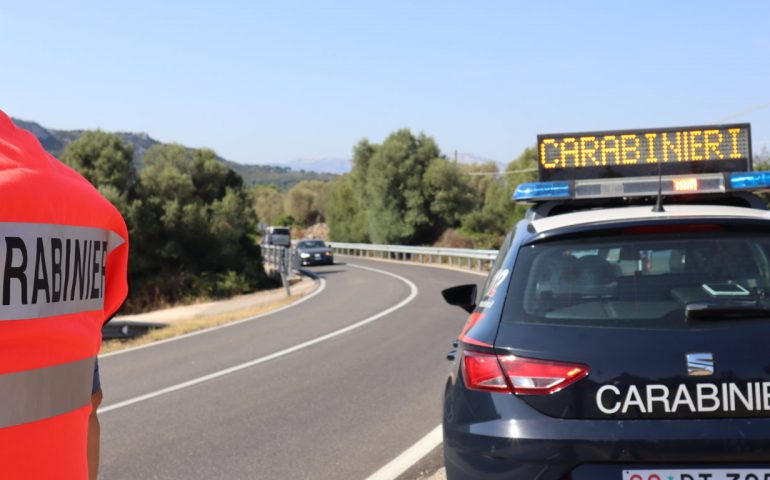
x=398 y=208
x=521 y=170
x=105 y=161
x=344 y=212
x=197 y=232
x=362 y=156
x=301 y=204
x=494 y=213
x=191 y=224
x=479 y=177
x=449 y=192
x=345 y=205
x=268 y=203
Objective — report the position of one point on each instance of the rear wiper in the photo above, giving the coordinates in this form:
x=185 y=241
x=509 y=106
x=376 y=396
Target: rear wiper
x=725 y=310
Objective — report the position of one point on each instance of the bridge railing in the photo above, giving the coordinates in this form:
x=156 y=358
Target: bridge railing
x=459 y=257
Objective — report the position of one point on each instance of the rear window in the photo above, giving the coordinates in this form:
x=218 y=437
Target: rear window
x=280 y=231
x=635 y=281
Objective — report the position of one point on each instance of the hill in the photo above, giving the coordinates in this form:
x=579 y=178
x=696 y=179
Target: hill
x=54 y=141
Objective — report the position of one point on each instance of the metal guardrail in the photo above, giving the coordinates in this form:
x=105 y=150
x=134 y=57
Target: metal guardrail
x=461 y=257
x=277 y=261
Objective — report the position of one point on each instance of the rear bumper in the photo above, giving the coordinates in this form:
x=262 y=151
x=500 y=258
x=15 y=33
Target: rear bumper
x=516 y=441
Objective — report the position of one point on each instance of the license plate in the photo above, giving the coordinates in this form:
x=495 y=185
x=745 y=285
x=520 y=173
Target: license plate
x=700 y=474
x=317 y=256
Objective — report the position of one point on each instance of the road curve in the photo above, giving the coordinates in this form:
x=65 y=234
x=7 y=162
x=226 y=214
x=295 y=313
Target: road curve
x=339 y=408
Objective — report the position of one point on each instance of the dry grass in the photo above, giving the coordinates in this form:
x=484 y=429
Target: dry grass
x=195 y=323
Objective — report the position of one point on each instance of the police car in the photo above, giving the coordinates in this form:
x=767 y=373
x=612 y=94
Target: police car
x=624 y=330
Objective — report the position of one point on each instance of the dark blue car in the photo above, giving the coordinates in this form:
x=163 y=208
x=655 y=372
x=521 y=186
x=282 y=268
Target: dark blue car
x=622 y=336
x=313 y=252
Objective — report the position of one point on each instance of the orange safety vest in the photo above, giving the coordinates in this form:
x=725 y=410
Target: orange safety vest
x=63 y=259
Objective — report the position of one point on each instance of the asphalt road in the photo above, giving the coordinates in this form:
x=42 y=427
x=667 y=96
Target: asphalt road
x=340 y=408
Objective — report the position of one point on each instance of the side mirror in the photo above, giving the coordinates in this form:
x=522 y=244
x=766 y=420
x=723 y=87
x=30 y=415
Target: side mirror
x=463 y=296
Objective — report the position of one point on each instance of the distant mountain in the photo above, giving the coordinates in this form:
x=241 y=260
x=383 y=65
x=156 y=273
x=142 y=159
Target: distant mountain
x=284 y=177
x=54 y=141
x=344 y=165
x=321 y=165
x=470 y=158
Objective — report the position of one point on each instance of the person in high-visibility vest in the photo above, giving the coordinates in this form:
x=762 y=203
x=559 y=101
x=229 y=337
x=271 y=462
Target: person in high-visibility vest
x=63 y=255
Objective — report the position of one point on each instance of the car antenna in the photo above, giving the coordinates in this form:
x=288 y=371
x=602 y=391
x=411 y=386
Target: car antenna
x=659 y=202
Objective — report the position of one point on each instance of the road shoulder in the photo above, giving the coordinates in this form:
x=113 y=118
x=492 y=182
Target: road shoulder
x=185 y=319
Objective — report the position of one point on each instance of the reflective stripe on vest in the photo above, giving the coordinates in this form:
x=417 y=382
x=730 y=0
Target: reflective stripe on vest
x=45 y=392
x=52 y=269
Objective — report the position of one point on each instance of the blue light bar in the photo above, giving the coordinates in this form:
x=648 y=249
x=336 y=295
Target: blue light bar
x=704 y=183
x=750 y=180
x=542 y=191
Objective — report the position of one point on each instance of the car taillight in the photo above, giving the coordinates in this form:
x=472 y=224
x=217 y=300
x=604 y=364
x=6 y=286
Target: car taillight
x=519 y=375
x=482 y=372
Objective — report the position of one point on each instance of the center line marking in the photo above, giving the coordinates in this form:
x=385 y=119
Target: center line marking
x=221 y=373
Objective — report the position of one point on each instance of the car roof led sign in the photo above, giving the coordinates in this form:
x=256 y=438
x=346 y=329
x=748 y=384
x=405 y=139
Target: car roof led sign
x=632 y=153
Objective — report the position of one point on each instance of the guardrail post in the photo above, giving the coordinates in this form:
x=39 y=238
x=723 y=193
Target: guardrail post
x=284 y=268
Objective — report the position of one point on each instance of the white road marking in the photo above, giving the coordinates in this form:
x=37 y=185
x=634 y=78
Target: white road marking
x=219 y=327
x=426 y=444
x=227 y=371
x=409 y=457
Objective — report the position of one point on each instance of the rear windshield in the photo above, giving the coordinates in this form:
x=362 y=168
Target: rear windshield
x=280 y=231
x=312 y=244
x=635 y=281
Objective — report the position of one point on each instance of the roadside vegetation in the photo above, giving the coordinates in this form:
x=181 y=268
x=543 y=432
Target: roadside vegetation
x=184 y=324
x=192 y=226
x=405 y=191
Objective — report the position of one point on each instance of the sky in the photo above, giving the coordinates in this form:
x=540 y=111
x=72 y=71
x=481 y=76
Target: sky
x=271 y=82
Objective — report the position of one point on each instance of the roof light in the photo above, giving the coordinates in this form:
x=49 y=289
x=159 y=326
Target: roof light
x=685 y=184
x=648 y=186
x=542 y=191
x=630 y=187
x=750 y=180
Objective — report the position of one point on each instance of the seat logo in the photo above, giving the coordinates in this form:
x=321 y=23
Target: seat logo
x=700 y=364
